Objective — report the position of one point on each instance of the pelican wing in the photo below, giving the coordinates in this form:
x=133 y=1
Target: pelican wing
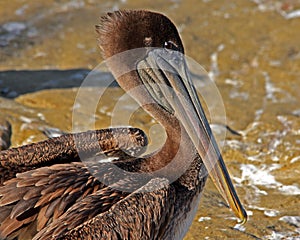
x=71 y=148
x=142 y=214
x=34 y=195
x=35 y=198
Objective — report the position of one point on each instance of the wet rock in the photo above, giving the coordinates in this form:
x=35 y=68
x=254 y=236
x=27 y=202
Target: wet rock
x=14 y=83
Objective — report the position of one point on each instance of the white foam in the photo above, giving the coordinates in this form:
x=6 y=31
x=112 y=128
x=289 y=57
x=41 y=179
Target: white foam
x=214 y=68
x=271 y=213
x=202 y=219
x=233 y=82
x=240 y=227
x=262 y=176
x=26 y=119
x=290 y=15
x=294 y=220
x=290 y=189
x=295 y=159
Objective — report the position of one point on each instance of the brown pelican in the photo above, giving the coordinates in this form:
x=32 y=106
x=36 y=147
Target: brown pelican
x=49 y=193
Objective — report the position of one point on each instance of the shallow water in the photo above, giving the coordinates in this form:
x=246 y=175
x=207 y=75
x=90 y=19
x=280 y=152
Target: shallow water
x=251 y=51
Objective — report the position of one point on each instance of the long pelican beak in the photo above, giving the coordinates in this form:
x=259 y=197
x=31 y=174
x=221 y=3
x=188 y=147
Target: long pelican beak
x=164 y=73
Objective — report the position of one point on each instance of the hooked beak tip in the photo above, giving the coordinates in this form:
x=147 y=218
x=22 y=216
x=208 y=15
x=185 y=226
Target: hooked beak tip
x=243 y=217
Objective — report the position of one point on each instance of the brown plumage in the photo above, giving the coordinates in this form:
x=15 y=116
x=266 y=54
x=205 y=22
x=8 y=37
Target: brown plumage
x=5 y=133
x=84 y=186
x=41 y=186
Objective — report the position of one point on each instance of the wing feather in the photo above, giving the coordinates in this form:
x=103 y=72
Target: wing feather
x=41 y=182
x=70 y=148
x=146 y=211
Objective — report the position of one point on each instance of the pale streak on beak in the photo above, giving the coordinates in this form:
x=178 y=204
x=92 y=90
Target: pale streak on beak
x=188 y=109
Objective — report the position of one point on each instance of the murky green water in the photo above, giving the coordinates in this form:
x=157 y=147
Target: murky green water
x=250 y=48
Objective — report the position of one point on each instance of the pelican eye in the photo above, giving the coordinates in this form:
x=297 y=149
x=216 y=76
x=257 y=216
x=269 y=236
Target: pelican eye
x=171 y=45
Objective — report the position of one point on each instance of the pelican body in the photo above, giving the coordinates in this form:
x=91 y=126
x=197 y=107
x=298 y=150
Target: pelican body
x=95 y=184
